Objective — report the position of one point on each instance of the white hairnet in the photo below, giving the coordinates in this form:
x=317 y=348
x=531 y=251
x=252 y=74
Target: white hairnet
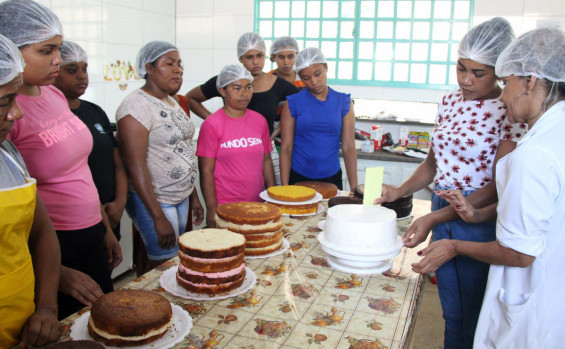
x=540 y=53
x=231 y=73
x=72 y=53
x=28 y=22
x=284 y=43
x=11 y=61
x=307 y=57
x=484 y=42
x=150 y=53
x=250 y=41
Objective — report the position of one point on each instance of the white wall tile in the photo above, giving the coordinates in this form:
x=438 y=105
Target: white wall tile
x=198 y=64
x=114 y=95
x=138 y=4
x=504 y=8
x=410 y=94
x=223 y=57
x=165 y=7
x=228 y=29
x=544 y=8
x=195 y=8
x=157 y=27
x=233 y=8
x=195 y=32
x=81 y=19
x=121 y=25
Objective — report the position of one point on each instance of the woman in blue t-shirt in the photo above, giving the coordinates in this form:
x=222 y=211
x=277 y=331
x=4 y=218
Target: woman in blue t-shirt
x=314 y=123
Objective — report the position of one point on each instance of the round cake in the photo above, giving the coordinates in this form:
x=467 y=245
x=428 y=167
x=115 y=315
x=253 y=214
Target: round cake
x=129 y=317
x=211 y=261
x=298 y=209
x=362 y=229
x=328 y=190
x=82 y=344
x=344 y=200
x=291 y=193
x=402 y=206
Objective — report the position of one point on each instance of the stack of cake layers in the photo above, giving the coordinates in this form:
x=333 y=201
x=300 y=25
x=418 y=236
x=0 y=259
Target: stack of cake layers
x=294 y=199
x=260 y=224
x=211 y=261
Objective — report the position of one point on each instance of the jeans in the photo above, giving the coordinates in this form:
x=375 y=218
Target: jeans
x=462 y=280
x=177 y=215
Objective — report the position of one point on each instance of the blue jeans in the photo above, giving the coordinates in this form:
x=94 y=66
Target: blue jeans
x=177 y=215
x=462 y=280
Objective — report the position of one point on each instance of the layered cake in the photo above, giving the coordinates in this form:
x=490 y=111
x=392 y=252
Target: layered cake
x=211 y=261
x=344 y=200
x=362 y=228
x=402 y=206
x=260 y=224
x=129 y=317
x=81 y=344
x=327 y=190
x=291 y=193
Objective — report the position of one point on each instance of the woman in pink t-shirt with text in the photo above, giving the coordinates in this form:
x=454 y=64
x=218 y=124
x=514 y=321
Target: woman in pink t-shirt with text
x=234 y=146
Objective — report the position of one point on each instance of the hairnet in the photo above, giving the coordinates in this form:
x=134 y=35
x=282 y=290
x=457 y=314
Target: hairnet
x=28 y=22
x=484 y=42
x=231 y=73
x=72 y=53
x=540 y=53
x=150 y=53
x=284 y=43
x=11 y=61
x=307 y=57
x=250 y=41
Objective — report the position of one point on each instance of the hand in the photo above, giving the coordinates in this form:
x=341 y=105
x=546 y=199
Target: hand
x=389 y=193
x=114 y=212
x=41 y=328
x=113 y=250
x=418 y=231
x=211 y=218
x=435 y=255
x=79 y=286
x=166 y=237
x=197 y=210
x=460 y=204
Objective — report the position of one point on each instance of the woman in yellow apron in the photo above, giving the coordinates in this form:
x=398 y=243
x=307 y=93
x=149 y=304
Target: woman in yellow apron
x=29 y=251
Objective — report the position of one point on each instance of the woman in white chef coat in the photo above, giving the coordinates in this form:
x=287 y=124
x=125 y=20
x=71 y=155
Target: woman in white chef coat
x=523 y=305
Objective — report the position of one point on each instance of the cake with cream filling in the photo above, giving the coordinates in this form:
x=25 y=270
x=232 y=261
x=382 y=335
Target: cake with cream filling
x=260 y=223
x=362 y=228
x=129 y=317
x=211 y=261
x=291 y=193
x=327 y=190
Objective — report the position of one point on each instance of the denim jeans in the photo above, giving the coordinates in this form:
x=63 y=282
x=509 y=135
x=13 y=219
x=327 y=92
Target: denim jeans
x=462 y=280
x=176 y=214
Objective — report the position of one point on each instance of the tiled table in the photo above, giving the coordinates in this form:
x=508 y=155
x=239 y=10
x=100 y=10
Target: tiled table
x=300 y=302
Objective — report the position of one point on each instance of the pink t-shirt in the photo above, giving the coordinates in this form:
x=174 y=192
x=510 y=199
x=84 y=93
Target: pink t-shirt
x=55 y=145
x=238 y=145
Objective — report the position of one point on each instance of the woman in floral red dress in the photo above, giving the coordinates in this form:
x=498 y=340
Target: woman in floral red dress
x=470 y=135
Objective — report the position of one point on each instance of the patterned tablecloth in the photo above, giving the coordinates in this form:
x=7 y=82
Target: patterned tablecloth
x=301 y=302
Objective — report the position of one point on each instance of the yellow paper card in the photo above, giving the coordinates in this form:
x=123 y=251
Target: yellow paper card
x=373 y=184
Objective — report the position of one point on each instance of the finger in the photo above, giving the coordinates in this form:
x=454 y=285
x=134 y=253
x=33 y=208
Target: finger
x=32 y=333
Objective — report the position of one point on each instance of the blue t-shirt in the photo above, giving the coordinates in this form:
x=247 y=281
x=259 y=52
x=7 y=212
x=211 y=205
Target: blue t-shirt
x=317 y=132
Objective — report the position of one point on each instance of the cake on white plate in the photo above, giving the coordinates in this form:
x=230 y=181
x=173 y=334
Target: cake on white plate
x=367 y=229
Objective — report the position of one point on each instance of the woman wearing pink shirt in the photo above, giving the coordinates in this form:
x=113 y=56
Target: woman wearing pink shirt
x=234 y=146
x=55 y=145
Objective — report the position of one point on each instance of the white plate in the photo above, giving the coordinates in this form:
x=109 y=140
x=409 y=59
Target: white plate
x=322 y=225
x=406 y=217
x=348 y=267
x=265 y=196
x=359 y=255
x=319 y=210
x=182 y=323
x=168 y=281
x=284 y=247
x=415 y=154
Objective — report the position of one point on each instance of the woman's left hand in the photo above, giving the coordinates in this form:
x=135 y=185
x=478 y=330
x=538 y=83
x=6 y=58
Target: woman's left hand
x=435 y=255
x=197 y=210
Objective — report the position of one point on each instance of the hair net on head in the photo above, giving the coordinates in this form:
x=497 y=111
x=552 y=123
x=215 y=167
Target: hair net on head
x=484 y=42
x=250 y=41
x=11 y=61
x=540 y=53
x=231 y=73
x=150 y=53
x=307 y=57
x=284 y=43
x=72 y=53
x=28 y=22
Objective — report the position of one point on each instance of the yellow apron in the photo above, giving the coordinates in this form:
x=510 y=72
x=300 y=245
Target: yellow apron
x=17 y=206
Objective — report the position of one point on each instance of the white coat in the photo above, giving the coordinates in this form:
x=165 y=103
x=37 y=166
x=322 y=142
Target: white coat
x=525 y=307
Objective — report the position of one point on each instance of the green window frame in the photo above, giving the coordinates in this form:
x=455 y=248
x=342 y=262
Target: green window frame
x=386 y=43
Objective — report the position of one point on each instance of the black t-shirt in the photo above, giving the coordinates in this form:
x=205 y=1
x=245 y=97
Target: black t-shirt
x=265 y=103
x=101 y=159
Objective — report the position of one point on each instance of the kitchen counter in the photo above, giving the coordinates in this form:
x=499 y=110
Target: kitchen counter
x=301 y=302
x=382 y=155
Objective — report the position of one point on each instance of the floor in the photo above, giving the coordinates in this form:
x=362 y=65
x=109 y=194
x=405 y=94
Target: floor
x=428 y=333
